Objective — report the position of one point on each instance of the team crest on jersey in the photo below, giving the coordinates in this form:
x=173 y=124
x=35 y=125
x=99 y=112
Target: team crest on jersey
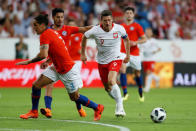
x=76 y=38
x=64 y=33
x=115 y=35
x=131 y=28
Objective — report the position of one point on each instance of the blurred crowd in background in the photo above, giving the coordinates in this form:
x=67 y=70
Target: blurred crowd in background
x=169 y=19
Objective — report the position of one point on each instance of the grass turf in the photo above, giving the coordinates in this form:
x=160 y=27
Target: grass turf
x=179 y=103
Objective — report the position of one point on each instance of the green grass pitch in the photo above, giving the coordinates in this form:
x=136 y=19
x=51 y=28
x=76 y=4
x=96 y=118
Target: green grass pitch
x=179 y=103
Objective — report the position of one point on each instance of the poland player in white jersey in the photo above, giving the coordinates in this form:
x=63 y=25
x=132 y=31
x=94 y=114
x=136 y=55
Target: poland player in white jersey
x=108 y=39
x=108 y=43
x=149 y=49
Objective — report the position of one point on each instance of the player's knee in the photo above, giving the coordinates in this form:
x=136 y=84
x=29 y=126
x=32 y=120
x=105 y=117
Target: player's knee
x=122 y=70
x=111 y=82
x=36 y=85
x=74 y=96
x=137 y=73
x=107 y=89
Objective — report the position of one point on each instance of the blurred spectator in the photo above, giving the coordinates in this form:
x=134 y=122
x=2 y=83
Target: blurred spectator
x=3 y=32
x=19 y=28
x=21 y=49
x=86 y=5
x=169 y=19
x=100 y=5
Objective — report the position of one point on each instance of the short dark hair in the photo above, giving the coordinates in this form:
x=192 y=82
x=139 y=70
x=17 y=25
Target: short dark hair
x=57 y=10
x=70 y=20
x=106 y=13
x=42 y=19
x=129 y=8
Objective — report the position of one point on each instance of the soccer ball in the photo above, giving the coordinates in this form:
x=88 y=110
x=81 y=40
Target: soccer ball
x=158 y=115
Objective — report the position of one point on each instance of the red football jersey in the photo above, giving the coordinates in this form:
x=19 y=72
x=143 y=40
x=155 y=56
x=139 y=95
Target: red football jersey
x=66 y=32
x=75 y=46
x=134 y=32
x=58 y=52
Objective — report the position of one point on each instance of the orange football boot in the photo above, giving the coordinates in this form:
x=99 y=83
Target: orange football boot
x=82 y=112
x=47 y=112
x=30 y=114
x=98 y=112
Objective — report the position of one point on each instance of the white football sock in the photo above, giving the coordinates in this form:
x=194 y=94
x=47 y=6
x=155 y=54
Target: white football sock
x=116 y=94
x=148 y=82
x=156 y=78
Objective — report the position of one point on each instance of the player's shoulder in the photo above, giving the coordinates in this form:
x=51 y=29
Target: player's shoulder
x=118 y=26
x=136 y=24
x=98 y=26
x=95 y=28
x=123 y=24
x=47 y=32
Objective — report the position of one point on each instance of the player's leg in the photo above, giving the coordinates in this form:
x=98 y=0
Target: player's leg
x=138 y=79
x=81 y=111
x=36 y=93
x=72 y=81
x=115 y=93
x=108 y=74
x=148 y=81
x=85 y=101
x=48 y=101
x=123 y=81
x=135 y=63
x=47 y=77
x=48 y=96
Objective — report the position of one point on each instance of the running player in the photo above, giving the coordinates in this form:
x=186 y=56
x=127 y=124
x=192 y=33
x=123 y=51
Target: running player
x=108 y=39
x=137 y=36
x=149 y=49
x=63 y=68
x=66 y=32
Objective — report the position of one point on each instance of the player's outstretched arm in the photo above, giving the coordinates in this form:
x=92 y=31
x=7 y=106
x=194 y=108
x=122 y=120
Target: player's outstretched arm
x=142 y=40
x=83 y=55
x=40 y=56
x=127 y=47
x=84 y=29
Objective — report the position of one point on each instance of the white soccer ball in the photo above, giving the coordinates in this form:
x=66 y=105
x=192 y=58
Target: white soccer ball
x=158 y=115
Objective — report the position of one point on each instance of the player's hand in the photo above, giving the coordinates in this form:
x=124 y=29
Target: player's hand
x=44 y=65
x=83 y=58
x=133 y=43
x=23 y=63
x=127 y=59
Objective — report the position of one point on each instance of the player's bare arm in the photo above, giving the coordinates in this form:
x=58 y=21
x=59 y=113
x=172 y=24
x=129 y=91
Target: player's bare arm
x=142 y=40
x=127 y=47
x=83 y=55
x=40 y=56
x=84 y=29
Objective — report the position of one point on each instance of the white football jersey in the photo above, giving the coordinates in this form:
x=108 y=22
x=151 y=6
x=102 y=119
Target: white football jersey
x=148 y=48
x=108 y=43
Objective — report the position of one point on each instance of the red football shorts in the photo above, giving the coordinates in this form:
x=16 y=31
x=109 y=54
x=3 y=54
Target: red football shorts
x=148 y=65
x=104 y=69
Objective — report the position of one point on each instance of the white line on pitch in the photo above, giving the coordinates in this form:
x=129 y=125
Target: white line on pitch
x=121 y=128
x=16 y=129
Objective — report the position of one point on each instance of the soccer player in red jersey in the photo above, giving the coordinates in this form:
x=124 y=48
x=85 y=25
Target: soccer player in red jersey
x=136 y=36
x=65 y=31
x=63 y=68
x=74 y=47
